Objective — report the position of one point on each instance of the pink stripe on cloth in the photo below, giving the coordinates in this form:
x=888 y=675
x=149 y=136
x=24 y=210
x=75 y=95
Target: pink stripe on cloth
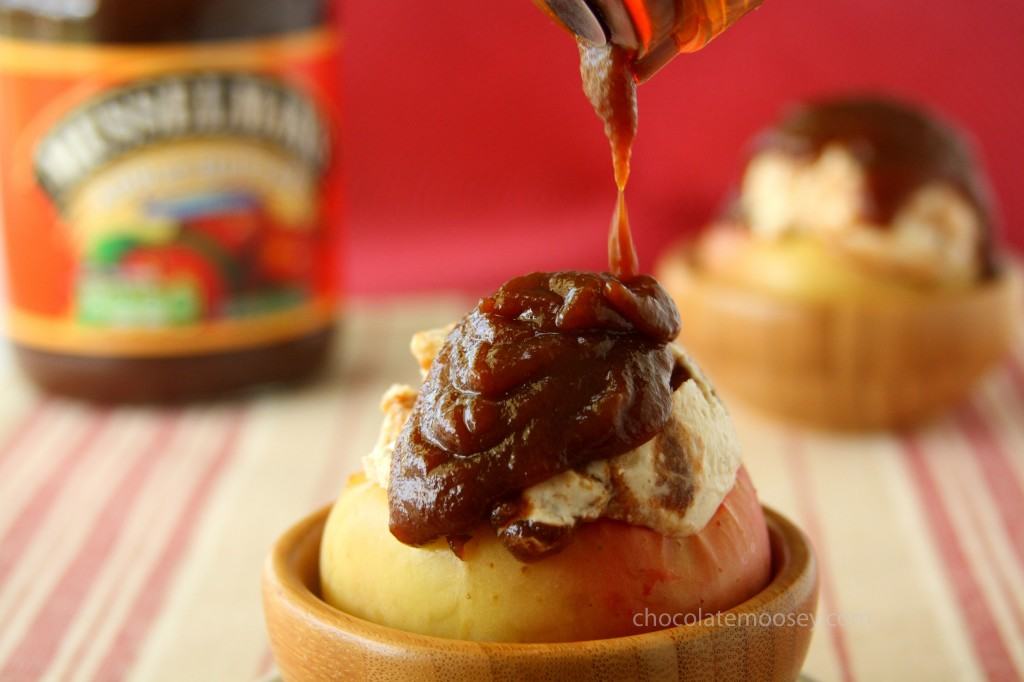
x=1016 y=374
x=41 y=640
x=124 y=647
x=1000 y=476
x=23 y=428
x=991 y=559
x=266 y=664
x=986 y=638
x=808 y=506
x=37 y=509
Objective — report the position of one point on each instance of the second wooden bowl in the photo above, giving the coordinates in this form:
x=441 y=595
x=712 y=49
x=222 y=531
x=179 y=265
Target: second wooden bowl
x=853 y=365
x=765 y=638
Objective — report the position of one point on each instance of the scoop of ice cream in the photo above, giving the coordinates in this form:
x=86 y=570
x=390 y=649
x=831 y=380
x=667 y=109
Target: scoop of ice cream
x=887 y=186
x=673 y=483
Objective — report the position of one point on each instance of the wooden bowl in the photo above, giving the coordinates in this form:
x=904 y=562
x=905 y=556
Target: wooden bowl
x=765 y=638
x=851 y=365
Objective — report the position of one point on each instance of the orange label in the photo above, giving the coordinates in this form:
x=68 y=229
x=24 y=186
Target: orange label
x=169 y=200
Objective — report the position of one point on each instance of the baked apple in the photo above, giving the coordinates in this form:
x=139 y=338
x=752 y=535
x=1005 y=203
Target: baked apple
x=854 y=284
x=565 y=472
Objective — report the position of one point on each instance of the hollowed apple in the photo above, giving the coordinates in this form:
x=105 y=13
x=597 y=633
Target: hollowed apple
x=613 y=579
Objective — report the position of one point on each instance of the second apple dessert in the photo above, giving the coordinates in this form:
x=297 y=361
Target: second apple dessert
x=855 y=283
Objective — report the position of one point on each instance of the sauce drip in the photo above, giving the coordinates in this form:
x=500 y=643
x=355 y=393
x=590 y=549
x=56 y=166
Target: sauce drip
x=553 y=371
x=610 y=73
x=622 y=258
x=609 y=84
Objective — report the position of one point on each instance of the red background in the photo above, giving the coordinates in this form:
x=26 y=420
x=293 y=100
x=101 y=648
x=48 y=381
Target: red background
x=472 y=154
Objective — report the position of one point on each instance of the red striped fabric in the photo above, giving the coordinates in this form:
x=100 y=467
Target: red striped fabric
x=34 y=513
x=125 y=645
x=989 y=556
x=41 y=639
x=986 y=638
x=131 y=541
x=1005 y=487
x=21 y=429
x=808 y=504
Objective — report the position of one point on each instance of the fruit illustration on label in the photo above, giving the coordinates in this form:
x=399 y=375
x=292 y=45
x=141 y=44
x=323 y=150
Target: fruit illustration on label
x=189 y=198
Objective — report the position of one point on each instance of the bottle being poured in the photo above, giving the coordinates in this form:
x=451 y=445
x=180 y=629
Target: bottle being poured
x=623 y=43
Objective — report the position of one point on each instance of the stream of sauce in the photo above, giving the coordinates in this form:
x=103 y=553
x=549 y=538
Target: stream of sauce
x=609 y=84
x=550 y=373
x=610 y=75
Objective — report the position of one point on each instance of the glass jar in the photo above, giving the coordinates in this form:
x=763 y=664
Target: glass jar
x=170 y=193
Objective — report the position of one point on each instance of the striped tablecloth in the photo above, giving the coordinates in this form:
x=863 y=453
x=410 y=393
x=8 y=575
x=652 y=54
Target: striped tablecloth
x=131 y=541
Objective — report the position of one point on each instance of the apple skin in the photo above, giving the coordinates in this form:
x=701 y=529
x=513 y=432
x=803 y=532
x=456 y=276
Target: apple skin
x=597 y=587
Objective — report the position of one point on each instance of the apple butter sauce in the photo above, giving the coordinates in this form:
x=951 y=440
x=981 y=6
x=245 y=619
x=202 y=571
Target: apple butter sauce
x=899 y=148
x=610 y=86
x=552 y=372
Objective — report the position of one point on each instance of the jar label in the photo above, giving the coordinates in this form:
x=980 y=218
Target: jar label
x=169 y=200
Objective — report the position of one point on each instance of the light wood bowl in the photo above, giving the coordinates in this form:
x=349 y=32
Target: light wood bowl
x=314 y=642
x=855 y=365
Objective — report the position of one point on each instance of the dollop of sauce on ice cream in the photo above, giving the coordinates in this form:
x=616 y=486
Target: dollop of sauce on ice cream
x=552 y=372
